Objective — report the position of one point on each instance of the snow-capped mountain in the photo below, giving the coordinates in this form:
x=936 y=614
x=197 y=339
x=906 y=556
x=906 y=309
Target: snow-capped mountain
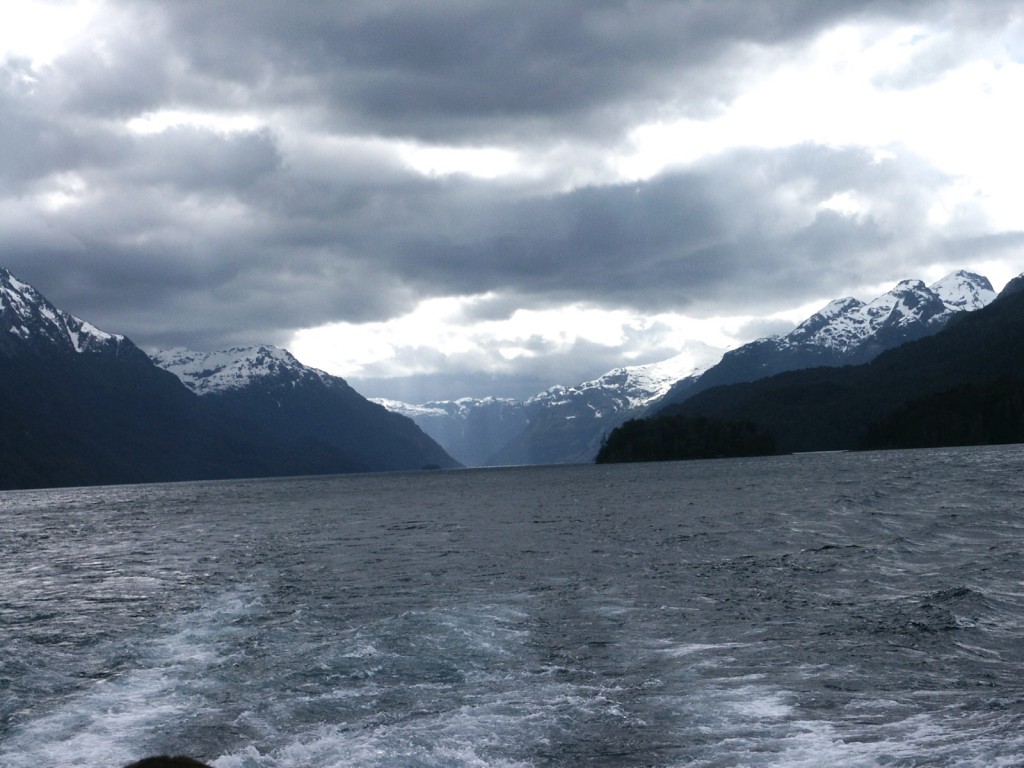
x=29 y=321
x=964 y=291
x=268 y=387
x=566 y=424
x=959 y=386
x=847 y=331
x=85 y=407
x=623 y=389
x=493 y=431
x=470 y=429
x=846 y=324
x=235 y=368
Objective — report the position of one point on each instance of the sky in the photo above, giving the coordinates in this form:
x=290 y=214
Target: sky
x=442 y=199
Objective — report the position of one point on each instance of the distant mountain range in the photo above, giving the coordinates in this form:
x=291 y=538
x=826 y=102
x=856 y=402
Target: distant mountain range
x=961 y=386
x=291 y=402
x=567 y=424
x=846 y=332
x=83 y=407
x=559 y=425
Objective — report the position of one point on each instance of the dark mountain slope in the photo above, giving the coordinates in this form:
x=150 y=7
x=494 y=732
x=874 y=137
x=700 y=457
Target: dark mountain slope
x=678 y=438
x=85 y=407
x=321 y=416
x=337 y=418
x=73 y=419
x=846 y=332
x=832 y=408
x=990 y=413
x=81 y=406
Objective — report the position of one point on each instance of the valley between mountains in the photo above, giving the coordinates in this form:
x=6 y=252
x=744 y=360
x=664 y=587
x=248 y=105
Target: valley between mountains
x=85 y=406
x=568 y=424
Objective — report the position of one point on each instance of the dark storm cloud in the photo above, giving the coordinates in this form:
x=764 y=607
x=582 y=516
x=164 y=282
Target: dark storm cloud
x=248 y=250
x=36 y=139
x=744 y=231
x=468 y=71
x=207 y=237
x=128 y=73
x=194 y=159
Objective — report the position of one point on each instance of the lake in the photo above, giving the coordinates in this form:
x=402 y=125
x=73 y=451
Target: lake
x=846 y=609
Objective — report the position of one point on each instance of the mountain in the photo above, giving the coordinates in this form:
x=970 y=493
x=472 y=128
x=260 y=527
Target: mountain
x=470 y=429
x=560 y=425
x=82 y=406
x=318 y=414
x=568 y=424
x=846 y=331
x=85 y=407
x=962 y=384
x=31 y=324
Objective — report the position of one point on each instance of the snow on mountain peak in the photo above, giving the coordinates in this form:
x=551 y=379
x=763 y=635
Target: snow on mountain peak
x=632 y=386
x=821 y=322
x=964 y=291
x=209 y=372
x=909 y=301
x=844 y=324
x=643 y=384
x=26 y=314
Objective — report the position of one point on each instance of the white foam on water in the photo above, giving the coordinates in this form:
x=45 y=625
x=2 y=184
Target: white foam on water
x=745 y=726
x=730 y=719
x=759 y=705
x=460 y=687
x=500 y=709
x=109 y=722
x=689 y=649
x=461 y=739
x=918 y=741
x=761 y=727
x=503 y=728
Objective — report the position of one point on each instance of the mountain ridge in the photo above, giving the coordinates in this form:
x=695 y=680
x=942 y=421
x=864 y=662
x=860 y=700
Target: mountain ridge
x=29 y=322
x=233 y=368
x=268 y=386
x=496 y=431
x=568 y=423
x=846 y=331
x=87 y=407
x=838 y=408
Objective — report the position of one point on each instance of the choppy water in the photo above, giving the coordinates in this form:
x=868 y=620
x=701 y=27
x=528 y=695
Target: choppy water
x=824 y=610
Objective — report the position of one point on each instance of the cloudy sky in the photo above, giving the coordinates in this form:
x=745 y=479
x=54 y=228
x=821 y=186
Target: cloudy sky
x=436 y=199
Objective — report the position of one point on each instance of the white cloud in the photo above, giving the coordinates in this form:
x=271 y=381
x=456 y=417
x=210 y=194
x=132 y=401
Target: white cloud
x=244 y=171
x=41 y=31
x=435 y=336
x=840 y=92
x=162 y=120
x=439 y=324
x=479 y=162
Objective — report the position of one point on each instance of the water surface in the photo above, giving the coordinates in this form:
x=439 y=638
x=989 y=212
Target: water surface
x=832 y=609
